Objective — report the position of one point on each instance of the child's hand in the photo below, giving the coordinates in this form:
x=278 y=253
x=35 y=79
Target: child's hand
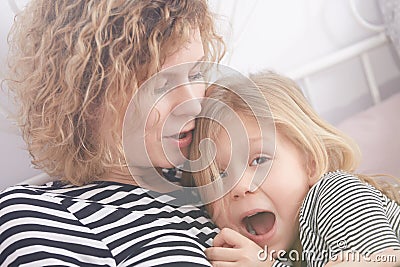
x=230 y=248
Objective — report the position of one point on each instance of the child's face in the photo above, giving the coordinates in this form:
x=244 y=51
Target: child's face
x=267 y=215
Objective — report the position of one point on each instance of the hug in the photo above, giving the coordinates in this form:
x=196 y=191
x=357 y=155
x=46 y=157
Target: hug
x=157 y=154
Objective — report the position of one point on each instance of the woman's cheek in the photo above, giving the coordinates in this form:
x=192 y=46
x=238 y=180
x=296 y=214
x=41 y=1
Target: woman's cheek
x=152 y=119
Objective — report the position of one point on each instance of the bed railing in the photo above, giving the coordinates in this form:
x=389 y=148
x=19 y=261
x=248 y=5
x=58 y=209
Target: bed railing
x=359 y=49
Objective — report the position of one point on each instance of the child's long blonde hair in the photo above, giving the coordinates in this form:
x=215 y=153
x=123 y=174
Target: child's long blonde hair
x=327 y=147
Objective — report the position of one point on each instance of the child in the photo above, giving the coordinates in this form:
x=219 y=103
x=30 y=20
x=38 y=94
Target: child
x=295 y=194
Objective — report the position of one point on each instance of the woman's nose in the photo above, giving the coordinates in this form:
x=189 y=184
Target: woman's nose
x=188 y=100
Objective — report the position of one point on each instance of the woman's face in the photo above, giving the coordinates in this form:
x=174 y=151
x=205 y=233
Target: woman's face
x=168 y=109
x=264 y=210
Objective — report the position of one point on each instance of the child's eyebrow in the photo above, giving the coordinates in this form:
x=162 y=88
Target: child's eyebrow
x=265 y=141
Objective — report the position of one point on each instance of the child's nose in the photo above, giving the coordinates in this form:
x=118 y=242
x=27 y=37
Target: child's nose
x=243 y=187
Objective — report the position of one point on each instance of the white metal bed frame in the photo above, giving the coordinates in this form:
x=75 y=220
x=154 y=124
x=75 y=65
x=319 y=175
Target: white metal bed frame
x=359 y=49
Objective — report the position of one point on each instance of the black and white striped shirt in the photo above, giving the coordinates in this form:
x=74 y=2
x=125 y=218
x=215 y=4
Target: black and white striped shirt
x=100 y=224
x=341 y=213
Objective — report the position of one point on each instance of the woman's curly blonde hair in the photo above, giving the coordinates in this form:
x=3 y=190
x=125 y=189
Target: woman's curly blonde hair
x=74 y=64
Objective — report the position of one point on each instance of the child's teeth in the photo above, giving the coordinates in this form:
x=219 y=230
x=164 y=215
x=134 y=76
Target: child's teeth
x=250 y=229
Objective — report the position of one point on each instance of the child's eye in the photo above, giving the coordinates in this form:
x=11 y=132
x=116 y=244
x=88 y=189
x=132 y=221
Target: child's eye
x=197 y=76
x=223 y=174
x=259 y=160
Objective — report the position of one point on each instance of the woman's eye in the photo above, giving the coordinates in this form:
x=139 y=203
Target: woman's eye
x=259 y=160
x=161 y=90
x=197 y=76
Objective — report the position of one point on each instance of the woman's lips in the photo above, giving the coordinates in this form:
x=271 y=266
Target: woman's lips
x=182 y=139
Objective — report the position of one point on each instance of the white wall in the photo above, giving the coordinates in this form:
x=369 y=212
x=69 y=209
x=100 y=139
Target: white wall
x=281 y=35
x=14 y=159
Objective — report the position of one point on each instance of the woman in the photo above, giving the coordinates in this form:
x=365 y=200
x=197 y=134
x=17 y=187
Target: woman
x=75 y=67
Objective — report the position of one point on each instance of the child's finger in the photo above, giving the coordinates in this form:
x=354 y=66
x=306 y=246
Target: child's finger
x=222 y=254
x=229 y=237
x=224 y=264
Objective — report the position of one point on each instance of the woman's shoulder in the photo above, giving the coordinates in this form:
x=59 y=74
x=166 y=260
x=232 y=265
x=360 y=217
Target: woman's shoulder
x=21 y=192
x=54 y=198
x=33 y=201
x=54 y=189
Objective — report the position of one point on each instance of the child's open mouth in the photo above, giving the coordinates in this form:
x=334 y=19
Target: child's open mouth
x=259 y=223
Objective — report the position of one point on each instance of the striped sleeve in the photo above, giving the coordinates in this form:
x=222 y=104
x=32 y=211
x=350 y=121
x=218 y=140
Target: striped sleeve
x=103 y=224
x=277 y=263
x=341 y=213
x=37 y=230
